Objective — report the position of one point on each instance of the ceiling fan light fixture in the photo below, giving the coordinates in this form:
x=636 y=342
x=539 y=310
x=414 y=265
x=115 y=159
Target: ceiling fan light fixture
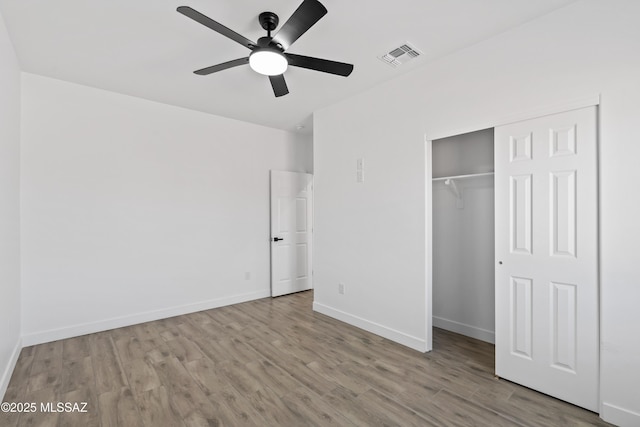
x=268 y=61
x=268 y=55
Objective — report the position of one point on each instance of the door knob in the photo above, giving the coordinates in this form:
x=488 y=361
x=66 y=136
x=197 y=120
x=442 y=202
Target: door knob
x=277 y=239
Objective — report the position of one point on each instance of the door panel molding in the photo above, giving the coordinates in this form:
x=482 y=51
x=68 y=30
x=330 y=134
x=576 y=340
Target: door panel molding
x=547 y=276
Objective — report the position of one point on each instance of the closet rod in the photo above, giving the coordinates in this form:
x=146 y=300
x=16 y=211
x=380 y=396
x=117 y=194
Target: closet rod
x=471 y=175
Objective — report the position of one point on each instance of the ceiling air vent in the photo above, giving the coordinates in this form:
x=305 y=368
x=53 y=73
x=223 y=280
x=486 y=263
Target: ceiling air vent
x=400 y=55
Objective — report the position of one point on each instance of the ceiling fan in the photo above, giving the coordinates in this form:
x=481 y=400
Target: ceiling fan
x=268 y=56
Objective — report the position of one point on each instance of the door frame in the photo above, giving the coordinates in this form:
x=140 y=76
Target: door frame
x=311 y=214
x=588 y=101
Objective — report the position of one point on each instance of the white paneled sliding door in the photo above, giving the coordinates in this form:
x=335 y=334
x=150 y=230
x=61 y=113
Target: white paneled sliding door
x=547 y=317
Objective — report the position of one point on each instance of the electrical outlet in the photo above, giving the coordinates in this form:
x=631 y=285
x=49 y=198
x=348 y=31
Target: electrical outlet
x=341 y=288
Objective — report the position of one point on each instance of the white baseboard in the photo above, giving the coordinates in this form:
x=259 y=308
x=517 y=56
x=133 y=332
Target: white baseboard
x=118 y=322
x=396 y=336
x=8 y=371
x=464 y=329
x=621 y=417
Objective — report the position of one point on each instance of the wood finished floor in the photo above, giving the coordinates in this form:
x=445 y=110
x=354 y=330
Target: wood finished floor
x=272 y=362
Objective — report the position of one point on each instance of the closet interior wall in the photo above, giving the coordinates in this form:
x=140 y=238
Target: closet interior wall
x=463 y=234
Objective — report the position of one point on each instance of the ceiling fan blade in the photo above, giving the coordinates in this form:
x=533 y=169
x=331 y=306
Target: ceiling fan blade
x=307 y=14
x=215 y=26
x=223 y=66
x=279 y=85
x=324 y=65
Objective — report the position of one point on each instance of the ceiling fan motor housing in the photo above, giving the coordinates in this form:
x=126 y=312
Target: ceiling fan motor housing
x=268 y=21
x=265 y=42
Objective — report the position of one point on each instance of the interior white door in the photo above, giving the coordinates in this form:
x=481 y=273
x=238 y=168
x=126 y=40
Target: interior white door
x=291 y=232
x=547 y=310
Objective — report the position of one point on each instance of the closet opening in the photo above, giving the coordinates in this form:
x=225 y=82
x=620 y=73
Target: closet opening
x=513 y=257
x=463 y=270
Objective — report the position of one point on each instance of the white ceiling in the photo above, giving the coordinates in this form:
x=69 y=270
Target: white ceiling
x=146 y=49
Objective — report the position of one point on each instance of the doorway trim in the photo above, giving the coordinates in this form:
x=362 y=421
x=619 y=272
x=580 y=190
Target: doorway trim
x=587 y=101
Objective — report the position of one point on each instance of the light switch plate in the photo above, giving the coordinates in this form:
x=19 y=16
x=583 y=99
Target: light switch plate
x=360 y=170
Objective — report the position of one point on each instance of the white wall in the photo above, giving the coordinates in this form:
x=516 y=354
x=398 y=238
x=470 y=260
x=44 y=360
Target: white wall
x=372 y=235
x=9 y=208
x=134 y=210
x=463 y=236
x=463 y=154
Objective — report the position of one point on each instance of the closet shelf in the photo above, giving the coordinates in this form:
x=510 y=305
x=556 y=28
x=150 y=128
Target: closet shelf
x=471 y=175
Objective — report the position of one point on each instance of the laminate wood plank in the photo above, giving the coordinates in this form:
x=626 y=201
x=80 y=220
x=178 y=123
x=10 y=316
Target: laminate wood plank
x=527 y=415
x=325 y=352
x=231 y=407
x=268 y=351
x=130 y=349
x=399 y=414
x=240 y=351
x=189 y=329
x=17 y=389
x=142 y=377
x=40 y=418
x=28 y=351
x=371 y=376
x=202 y=320
x=343 y=332
x=148 y=336
x=448 y=377
x=236 y=374
x=185 y=349
x=186 y=398
x=270 y=406
x=219 y=317
x=196 y=419
x=77 y=399
x=431 y=412
x=236 y=408
x=206 y=375
x=273 y=362
x=260 y=312
x=214 y=350
x=468 y=413
x=158 y=355
x=14 y=394
x=295 y=368
x=353 y=351
x=122 y=333
x=262 y=332
x=306 y=404
x=156 y=410
x=76 y=348
x=236 y=316
x=168 y=328
x=107 y=368
x=276 y=378
x=295 y=351
x=119 y=409
x=562 y=413
x=363 y=411
x=310 y=379
x=334 y=375
x=46 y=367
x=488 y=384
x=22 y=370
x=76 y=374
